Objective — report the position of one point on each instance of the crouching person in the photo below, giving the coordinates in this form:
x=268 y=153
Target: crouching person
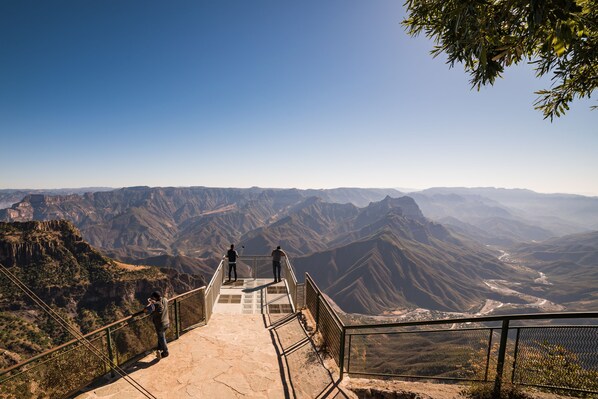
x=157 y=307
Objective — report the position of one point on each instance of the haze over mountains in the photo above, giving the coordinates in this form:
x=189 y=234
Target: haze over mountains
x=372 y=250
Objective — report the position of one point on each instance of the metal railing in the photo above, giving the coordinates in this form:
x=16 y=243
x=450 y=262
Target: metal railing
x=528 y=349
x=213 y=289
x=254 y=266
x=330 y=326
x=64 y=370
x=260 y=267
x=291 y=281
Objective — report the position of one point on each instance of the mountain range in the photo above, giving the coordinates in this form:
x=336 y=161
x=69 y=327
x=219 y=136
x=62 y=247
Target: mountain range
x=509 y=216
x=372 y=250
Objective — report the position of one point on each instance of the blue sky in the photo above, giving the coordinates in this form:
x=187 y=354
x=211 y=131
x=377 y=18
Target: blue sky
x=265 y=93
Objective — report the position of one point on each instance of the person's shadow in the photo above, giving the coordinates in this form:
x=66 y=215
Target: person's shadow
x=141 y=365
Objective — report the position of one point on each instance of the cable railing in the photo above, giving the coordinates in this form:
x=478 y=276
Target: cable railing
x=529 y=349
x=66 y=369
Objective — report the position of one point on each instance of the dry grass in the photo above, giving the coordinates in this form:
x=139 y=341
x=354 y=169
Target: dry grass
x=128 y=267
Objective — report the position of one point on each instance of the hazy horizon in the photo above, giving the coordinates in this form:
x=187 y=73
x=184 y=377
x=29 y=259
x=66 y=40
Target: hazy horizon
x=401 y=189
x=238 y=94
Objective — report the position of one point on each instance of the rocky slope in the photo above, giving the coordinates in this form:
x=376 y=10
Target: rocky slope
x=83 y=285
x=393 y=258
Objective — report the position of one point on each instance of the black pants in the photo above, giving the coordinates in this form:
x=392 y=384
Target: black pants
x=276 y=269
x=232 y=267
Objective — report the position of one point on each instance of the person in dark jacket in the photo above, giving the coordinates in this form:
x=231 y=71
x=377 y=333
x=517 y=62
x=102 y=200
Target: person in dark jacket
x=277 y=255
x=232 y=256
x=157 y=307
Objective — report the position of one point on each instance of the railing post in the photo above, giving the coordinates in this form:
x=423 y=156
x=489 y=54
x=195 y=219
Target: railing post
x=349 y=355
x=110 y=351
x=205 y=306
x=488 y=353
x=341 y=356
x=500 y=363
x=317 y=310
x=515 y=355
x=177 y=329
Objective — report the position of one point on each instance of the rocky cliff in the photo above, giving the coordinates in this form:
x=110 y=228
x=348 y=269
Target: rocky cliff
x=83 y=285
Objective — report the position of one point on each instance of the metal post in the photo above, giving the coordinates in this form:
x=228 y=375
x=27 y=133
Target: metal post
x=488 y=354
x=317 y=310
x=110 y=351
x=500 y=363
x=341 y=356
x=177 y=329
x=295 y=299
x=205 y=306
x=515 y=355
x=349 y=355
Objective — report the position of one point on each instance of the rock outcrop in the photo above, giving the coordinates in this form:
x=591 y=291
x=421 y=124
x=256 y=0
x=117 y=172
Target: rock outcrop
x=84 y=286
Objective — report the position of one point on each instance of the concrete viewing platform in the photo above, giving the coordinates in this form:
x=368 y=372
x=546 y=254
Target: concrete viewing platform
x=252 y=347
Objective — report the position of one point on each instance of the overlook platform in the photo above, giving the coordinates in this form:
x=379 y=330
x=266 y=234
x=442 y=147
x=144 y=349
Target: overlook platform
x=253 y=347
x=247 y=339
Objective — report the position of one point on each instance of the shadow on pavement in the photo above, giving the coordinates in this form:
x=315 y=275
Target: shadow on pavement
x=302 y=368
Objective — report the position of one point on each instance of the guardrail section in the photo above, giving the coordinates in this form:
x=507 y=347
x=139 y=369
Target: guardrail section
x=64 y=370
x=528 y=349
x=459 y=354
x=327 y=321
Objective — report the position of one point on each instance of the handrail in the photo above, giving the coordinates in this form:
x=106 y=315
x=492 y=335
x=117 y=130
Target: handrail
x=291 y=270
x=184 y=294
x=213 y=279
x=210 y=295
x=483 y=319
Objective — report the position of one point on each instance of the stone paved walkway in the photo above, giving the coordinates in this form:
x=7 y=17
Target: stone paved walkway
x=232 y=357
x=252 y=347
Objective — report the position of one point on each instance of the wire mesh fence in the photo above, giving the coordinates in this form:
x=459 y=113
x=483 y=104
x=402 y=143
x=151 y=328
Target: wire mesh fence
x=438 y=354
x=538 y=351
x=557 y=357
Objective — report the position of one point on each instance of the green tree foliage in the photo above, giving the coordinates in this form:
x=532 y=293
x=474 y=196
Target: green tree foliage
x=559 y=37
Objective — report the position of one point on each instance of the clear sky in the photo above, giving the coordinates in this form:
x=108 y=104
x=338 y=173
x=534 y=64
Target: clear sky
x=264 y=93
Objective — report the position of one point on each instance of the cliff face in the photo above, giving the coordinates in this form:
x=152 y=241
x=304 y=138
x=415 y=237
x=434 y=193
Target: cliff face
x=83 y=285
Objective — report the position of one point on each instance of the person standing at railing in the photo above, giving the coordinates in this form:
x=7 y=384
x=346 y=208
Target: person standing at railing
x=232 y=256
x=157 y=307
x=277 y=255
